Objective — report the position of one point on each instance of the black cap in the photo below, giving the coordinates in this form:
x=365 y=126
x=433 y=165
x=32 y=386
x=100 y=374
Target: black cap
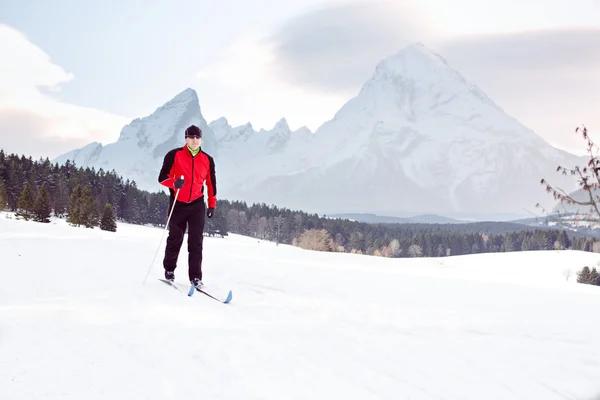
x=193 y=130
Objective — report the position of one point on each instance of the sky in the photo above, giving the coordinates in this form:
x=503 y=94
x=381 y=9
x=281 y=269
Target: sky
x=74 y=72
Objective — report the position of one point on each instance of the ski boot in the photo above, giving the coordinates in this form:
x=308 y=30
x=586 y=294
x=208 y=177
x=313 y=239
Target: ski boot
x=197 y=283
x=170 y=276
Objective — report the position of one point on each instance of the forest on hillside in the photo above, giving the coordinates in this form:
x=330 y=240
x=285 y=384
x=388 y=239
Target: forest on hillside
x=87 y=197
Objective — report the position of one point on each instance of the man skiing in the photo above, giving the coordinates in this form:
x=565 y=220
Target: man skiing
x=196 y=167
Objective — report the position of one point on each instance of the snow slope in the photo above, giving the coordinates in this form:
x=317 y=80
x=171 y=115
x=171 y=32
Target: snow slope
x=77 y=323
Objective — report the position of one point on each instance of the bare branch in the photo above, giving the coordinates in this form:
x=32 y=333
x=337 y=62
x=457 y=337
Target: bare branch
x=589 y=177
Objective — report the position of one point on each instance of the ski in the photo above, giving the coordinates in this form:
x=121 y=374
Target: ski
x=170 y=284
x=226 y=301
x=191 y=291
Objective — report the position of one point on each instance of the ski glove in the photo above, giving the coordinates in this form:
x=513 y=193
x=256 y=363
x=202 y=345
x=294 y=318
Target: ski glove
x=210 y=212
x=179 y=183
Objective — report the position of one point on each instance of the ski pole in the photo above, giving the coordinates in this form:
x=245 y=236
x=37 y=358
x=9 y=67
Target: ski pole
x=163 y=234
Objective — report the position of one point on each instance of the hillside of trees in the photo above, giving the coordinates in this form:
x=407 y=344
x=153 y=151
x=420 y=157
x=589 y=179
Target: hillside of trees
x=72 y=190
x=392 y=240
x=90 y=198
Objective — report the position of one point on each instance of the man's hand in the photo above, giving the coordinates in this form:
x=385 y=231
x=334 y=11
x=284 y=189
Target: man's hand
x=179 y=183
x=210 y=212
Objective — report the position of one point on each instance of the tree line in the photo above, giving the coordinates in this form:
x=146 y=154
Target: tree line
x=316 y=232
x=86 y=197
x=35 y=189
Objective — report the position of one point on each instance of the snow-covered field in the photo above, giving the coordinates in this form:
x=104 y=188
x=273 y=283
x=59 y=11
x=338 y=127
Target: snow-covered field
x=76 y=322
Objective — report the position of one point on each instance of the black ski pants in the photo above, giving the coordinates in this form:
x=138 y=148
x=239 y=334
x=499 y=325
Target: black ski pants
x=190 y=216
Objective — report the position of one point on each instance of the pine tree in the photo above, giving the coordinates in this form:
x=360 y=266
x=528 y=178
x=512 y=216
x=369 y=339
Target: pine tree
x=42 y=209
x=3 y=196
x=3 y=165
x=109 y=219
x=25 y=202
x=14 y=182
x=252 y=225
x=526 y=244
x=74 y=208
x=509 y=243
x=356 y=241
x=217 y=225
x=88 y=208
x=563 y=239
x=594 y=278
x=278 y=222
x=583 y=276
x=158 y=205
x=61 y=197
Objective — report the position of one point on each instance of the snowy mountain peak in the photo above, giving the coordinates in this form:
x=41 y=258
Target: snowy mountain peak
x=420 y=50
x=220 y=126
x=219 y=121
x=188 y=95
x=165 y=122
x=411 y=60
x=416 y=84
x=303 y=130
x=282 y=125
x=416 y=74
x=142 y=144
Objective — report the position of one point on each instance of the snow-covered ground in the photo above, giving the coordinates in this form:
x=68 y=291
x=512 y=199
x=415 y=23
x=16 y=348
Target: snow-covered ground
x=76 y=322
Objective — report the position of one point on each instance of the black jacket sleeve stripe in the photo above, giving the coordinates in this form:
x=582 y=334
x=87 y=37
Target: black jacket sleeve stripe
x=213 y=177
x=164 y=177
x=211 y=183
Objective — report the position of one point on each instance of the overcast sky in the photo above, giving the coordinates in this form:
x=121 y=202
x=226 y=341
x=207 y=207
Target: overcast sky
x=73 y=72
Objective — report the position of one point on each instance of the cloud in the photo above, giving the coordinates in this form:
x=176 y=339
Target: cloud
x=335 y=49
x=312 y=64
x=22 y=132
x=554 y=50
x=241 y=81
x=307 y=68
x=34 y=123
x=547 y=79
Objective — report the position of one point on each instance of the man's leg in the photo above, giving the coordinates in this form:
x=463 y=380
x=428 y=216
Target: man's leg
x=177 y=226
x=195 y=240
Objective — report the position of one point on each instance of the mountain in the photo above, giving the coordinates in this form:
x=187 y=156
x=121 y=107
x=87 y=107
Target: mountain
x=247 y=155
x=142 y=144
x=417 y=138
x=139 y=151
x=384 y=219
x=580 y=195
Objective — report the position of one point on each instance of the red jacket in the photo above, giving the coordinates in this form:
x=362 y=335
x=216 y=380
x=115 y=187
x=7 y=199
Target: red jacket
x=195 y=170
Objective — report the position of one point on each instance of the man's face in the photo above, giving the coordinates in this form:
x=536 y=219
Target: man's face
x=193 y=141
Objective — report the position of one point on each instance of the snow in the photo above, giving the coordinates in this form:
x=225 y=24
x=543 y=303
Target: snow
x=76 y=322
